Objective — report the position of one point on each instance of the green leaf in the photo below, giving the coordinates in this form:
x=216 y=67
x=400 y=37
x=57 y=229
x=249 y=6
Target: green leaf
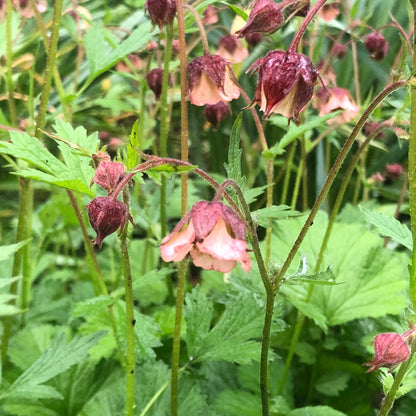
x=238 y=325
x=101 y=56
x=236 y=9
x=133 y=146
x=168 y=171
x=332 y=383
x=370 y=279
x=57 y=359
x=233 y=167
x=389 y=227
x=294 y=132
x=7 y=251
x=275 y=212
x=316 y=411
x=237 y=403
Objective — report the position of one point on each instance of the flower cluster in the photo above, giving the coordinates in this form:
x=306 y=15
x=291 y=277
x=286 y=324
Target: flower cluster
x=214 y=236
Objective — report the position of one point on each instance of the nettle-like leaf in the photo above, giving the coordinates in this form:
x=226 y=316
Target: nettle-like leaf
x=57 y=359
x=7 y=251
x=389 y=227
x=72 y=172
x=275 y=212
x=238 y=325
x=370 y=280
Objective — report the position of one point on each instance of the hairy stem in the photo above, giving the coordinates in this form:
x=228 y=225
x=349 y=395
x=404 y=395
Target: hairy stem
x=9 y=62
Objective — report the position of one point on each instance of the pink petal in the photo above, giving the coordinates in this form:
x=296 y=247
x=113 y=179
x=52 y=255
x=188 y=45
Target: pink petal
x=207 y=262
x=177 y=245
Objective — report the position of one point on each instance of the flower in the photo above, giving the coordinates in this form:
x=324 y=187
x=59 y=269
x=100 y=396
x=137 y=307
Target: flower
x=161 y=12
x=285 y=84
x=331 y=99
x=108 y=174
x=216 y=113
x=377 y=46
x=155 y=79
x=106 y=215
x=394 y=171
x=232 y=49
x=265 y=17
x=210 y=16
x=389 y=349
x=211 y=80
x=214 y=236
x=329 y=11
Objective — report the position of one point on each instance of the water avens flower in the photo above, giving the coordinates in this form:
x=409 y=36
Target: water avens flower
x=161 y=12
x=232 y=49
x=211 y=80
x=109 y=174
x=106 y=216
x=377 y=46
x=216 y=113
x=285 y=84
x=265 y=17
x=214 y=236
x=155 y=80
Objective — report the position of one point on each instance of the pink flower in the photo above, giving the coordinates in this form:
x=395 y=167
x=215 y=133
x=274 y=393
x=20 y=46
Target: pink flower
x=213 y=234
x=377 y=46
x=211 y=80
x=329 y=11
x=210 y=16
x=285 y=84
x=389 y=349
x=232 y=49
x=109 y=174
x=394 y=171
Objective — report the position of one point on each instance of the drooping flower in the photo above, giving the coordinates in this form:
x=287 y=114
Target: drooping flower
x=329 y=11
x=232 y=49
x=394 y=171
x=107 y=215
x=265 y=17
x=211 y=80
x=332 y=99
x=217 y=112
x=377 y=46
x=210 y=15
x=155 y=79
x=214 y=236
x=108 y=174
x=161 y=12
x=285 y=84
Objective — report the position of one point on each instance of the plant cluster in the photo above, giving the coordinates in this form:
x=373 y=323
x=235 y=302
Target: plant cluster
x=207 y=207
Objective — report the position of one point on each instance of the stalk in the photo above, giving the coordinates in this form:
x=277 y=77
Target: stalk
x=9 y=62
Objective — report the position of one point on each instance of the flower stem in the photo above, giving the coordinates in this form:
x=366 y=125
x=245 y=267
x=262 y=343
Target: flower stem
x=9 y=62
x=130 y=321
x=201 y=27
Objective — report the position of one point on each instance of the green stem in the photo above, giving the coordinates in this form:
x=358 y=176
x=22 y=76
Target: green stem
x=130 y=321
x=164 y=122
x=288 y=164
x=388 y=400
x=9 y=62
x=412 y=168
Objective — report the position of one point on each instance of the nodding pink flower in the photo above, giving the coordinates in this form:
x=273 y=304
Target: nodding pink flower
x=214 y=236
x=210 y=16
x=155 y=80
x=332 y=99
x=232 y=49
x=161 y=12
x=265 y=17
x=390 y=349
x=285 y=84
x=109 y=174
x=217 y=112
x=377 y=46
x=329 y=11
x=211 y=80
x=106 y=216
x=394 y=171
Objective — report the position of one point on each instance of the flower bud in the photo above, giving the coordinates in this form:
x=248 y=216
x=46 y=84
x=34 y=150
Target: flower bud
x=253 y=39
x=106 y=215
x=155 y=79
x=108 y=174
x=285 y=84
x=377 y=46
x=394 y=171
x=265 y=17
x=216 y=113
x=161 y=12
x=211 y=80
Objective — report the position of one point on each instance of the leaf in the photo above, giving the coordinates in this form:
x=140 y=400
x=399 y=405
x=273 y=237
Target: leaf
x=294 y=132
x=237 y=403
x=101 y=56
x=236 y=9
x=370 y=279
x=58 y=358
x=233 y=167
x=389 y=227
x=133 y=146
x=275 y=212
x=168 y=171
x=238 y=325
x=7 y=251
x=316 y=411
x=332 y=383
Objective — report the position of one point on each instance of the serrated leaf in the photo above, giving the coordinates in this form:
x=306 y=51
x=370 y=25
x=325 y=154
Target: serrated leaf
x=239 y=324
x=294 y=132
x=132 y=146
x=233 y=167
x=6 y=251
x=332 y=383
x=389 y=227
x=58 y=358
x=168 y=171
x=275 y=212
x=322 y=278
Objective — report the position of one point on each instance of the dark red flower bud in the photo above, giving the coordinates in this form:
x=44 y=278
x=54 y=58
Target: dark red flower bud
x=394 y=171
x=377 y=46
x=211 y=79
x=108 y=174
x=265 y=17
x=106 y=215
x=373 y=127
x=162 y=12
x=217 y=112
x=253 y=38
x=339 y=50
x=155 y=79
x=285 y=84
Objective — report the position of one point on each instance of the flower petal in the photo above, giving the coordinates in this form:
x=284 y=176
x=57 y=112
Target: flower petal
x=177 y=244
